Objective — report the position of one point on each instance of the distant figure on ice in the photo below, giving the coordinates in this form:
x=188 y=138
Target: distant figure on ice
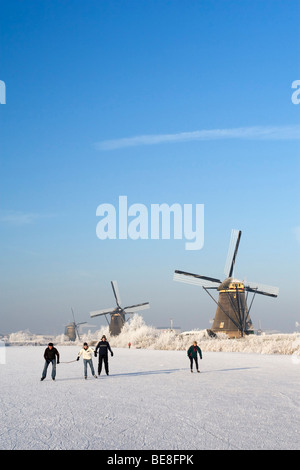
x=103 y=347
x=129 y=344
x=86 y=353
x=50 y=355
x=192 y=354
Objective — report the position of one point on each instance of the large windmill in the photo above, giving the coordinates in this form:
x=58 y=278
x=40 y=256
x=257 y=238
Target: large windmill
x=71 y=330
x=118 y=313
x=233 y=314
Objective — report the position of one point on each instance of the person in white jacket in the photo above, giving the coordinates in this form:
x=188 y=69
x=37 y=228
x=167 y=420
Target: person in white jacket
x=86 y=353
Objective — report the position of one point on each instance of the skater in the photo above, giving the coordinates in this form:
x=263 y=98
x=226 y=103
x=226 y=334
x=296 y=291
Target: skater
x=129 y=344
x=86 y=353
x=192 y=354
x=103 y=347
x=50 y=355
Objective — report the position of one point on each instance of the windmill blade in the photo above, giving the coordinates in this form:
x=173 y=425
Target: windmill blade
x=77 y=331
x=75 y=325
x=73 y=315
x=115 y=289
x=232 y=252
x=104 y=311
x=261 y=289
x=137 y=308
x=196 y=279
x=81 y=323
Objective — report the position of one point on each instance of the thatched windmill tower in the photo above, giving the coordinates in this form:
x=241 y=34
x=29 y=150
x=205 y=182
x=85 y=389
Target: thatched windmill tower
x=233 y=314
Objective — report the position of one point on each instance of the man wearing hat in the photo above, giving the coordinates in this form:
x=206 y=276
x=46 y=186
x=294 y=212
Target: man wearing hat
x=50 y=356
x=103 y=347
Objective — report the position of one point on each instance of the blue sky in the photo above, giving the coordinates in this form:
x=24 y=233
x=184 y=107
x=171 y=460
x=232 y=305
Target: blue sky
x=84 y=81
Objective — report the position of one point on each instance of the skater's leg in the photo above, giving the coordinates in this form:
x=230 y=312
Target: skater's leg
x=53 y=369
x=85 y=367
x=44 y=373
x=100 y=365
x=92 y=367
x=106 y=365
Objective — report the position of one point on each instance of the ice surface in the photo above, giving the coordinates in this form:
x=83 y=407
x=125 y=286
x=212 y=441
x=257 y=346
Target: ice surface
x=150 y=401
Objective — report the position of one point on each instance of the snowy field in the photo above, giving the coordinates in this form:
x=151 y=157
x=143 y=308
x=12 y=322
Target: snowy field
x=150 y=401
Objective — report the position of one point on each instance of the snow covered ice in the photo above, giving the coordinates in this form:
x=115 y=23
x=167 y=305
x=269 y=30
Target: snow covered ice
x=246 y=396
x=150 y=401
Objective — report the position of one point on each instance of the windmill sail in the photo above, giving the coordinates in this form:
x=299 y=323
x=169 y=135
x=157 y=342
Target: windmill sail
x=115 y=289
x=196 y=279
x=104 y=311
x=232 y=252
x=261 y=289
x=136 y=308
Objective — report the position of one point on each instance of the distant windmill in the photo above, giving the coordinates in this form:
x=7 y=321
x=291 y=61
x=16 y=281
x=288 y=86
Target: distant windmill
x=72 y=329
x=232 y=315
x=118 y=314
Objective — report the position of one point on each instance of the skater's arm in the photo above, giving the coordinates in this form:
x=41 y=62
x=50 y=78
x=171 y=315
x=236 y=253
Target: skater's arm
x=57 y=355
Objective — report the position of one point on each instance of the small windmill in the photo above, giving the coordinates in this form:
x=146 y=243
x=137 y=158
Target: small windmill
x=72 y=329
x=118 y=314
x=232 y=314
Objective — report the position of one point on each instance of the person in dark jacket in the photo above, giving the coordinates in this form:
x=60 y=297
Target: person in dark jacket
x=103 y=347
x=192 y=354
x=51 y=355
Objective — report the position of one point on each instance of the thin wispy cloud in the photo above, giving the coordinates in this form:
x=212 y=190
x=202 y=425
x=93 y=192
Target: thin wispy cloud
x=247 y=133
x=17 y=218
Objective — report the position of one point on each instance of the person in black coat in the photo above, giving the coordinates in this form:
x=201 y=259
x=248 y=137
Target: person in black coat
x=51 y=355
x=103 y=347
x=192 y=354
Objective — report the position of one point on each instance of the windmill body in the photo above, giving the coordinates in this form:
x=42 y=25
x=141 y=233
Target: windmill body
x=118 y=314
x=71 y=330
x=232 y=314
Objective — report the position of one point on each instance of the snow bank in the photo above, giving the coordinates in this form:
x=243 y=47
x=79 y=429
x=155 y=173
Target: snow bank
x=142 y=336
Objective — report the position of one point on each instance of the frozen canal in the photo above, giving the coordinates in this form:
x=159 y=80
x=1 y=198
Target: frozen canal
x=150 y=401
